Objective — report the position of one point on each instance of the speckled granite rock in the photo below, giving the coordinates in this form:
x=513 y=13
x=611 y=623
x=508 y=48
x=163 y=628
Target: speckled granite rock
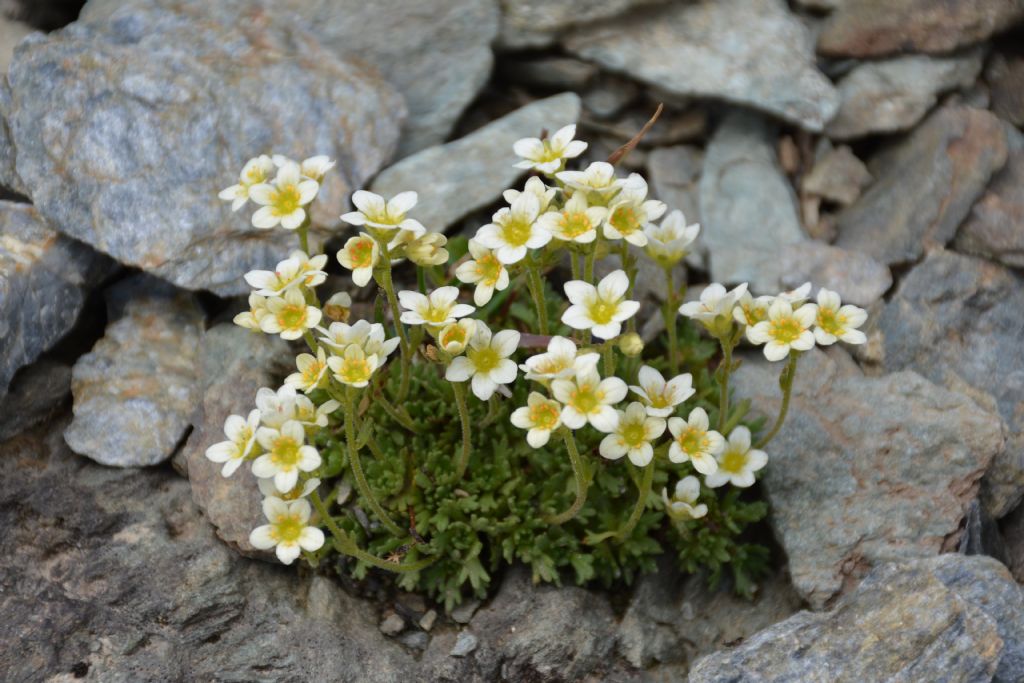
x=866 y=470
x=44 y=280
x=951 y=618
x=135 y=392
x=126 y=126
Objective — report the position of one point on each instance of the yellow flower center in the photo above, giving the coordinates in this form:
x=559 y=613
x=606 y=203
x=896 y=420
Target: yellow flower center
x=517 y=231
x=285 y=200
x=286 y=528
x=831 y=321
x=785 y=330
x=355 y=370
x=625 y=220
x=292 y=316
x=455 y=335
x=754 y=314
x=634 y=434
x=544 y=415
x=285 y=452
x=361 y=254
x=485 y=359
x=311 y=375
x=602 y=312
x=488 y=267
x=586 y=399
x=658 y=400
x=693 y=440
x=549 y=153
x=574 y=224
x=436 y=315
x=733 y=460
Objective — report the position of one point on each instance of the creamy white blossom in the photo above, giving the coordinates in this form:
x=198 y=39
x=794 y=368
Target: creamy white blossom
x=537 y=188
x=257 y=309
x=562 y=360
x=289 y=315
x=683 y=504
x=254 y=172
x=631 y=213
x=423 y=250
x=241 y=433
x=576 y=222
x=796 y=297
x=298 y=269
x=737 y=462
x=313 y=416
x=370 y=337
x=633 y=436
x=784 y=330
x=598 y=177
x=276 y=407
x=312 y=371
x=374 y=212
x=454 y=337
x=353 y=367
x=588 y=398
x=360 y=254
x=600 y=309
x=283 y=200
x=513 y=230
x=484 y=270
x=694 y=441
x=338 y=307
x=486 y=361
x=286 y=455
x=836 y=322
x=750 y=311
x=549 y=155
x=288 y=531
x=714 y=310
x=540 y=416
x=670 y=242
x=440 y=307
x=661 y=397
x=267 y=488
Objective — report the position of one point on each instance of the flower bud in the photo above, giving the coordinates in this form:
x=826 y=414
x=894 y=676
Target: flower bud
x=631 y=344
x=454 y=337
x=428 y=250
x=338 y=307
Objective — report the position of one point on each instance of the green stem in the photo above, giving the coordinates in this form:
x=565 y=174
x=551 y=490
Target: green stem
x=588 y=262
x=537 y=291
x=311 y=342
x=357 y=465
x=786 y=383
x=397 y=415
x=383 y=274
x=608 y=354
x=581 y=481
x=304 y=235
x=574 y=264
x=668 y=312
x=459 y=388
x=643 y=489
x=723 y=396
x=421 y=280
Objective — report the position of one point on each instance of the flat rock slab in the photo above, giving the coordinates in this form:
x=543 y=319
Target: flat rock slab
x=873 y=28
x=894 y=94
x=126 y=125
x=135 y=392
x=747 y=205
x=469 y=173
x=754 y=54
x=995 y=227
x=538 y=23
x=950 y=618
x=925 y=186
x=233 y=364
x=957 y=320
x=44 y=280
x=866 y=470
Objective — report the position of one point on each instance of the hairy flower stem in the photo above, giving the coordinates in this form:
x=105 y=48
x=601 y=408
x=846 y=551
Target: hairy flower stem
x=643 y=489
x=304 y=235
x=537 y=292
x=581 y=481
x=588 y=262
x=786 y=384
x=357 y=465
x=608 y=355
x=399 y=416
x=723 y=383
x=574 y=264
x=668 y=312
x=383 y=277
x=460 y=400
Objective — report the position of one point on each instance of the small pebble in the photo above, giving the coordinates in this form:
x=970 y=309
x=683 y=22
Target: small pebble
x=464 y=612
x=392 y=624
x=418 y=640
x=427 y=622
x=464 y=644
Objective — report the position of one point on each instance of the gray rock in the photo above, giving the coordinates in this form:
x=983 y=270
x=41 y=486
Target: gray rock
x=38 y=393
x=44 y=280
x=131 y=160
x=472 y=172
x=746 y=203
x=674 y=174
x=135 y=392
x=609 y=96
x=866 y=470
x=925 y=186
x=113 y=575
x=873 y=28
x=392 y=624
x=858 y=278
x=893 y=95
x=1005 y=77
x=464 y=612
x=956 y=320
x=465 y=643
x=754 y=54
x=995 y=227
x=837 y=175
x=11 y=33
x=538 y=23
x=554 y=73
x=427 y=621
x=233 y=364
x=1013 y=535
x=676 y=619
x=949 y=618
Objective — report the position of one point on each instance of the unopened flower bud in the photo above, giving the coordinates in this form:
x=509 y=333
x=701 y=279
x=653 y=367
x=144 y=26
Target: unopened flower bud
x=631 y=344
x=338 y=307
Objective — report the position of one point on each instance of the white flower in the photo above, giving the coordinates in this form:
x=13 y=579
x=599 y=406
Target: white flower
x=514 y=230
x=241 y=433
x=784 y=329
x=540 y=416
x=750 y=311
x=537 y=188
x=575 y=222
x=631 y=212
x=454 y=337
x=288 y=531
x=267 y=488
x=338 y=307
x=311 y=371
x=276 y=407
x=283 y=200
x=737 y=462
x=600 y=309
x=659 y=396
x=836 y=322
x=486 y=361
x=549 y=154
x=360 y=254
x=353 y=367
x=423 y=250
x=289 y=316
x=374 y=212
x=561 y=361
x=693 y=441
x=297 y=269
x=254 y=172
x=598 y=177
x=313 y=416
x=485 y=270
x=368 y=336
x=439 y=308
x=714 y=310
x=681 y=506
x=797 y=296
x=588 y=398
x=257 y=309
x=669 y=243
x=286 y=455
x=316 y=167
x=633 y=435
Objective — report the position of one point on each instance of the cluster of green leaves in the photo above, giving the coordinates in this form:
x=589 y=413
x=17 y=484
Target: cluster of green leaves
x=496 y=514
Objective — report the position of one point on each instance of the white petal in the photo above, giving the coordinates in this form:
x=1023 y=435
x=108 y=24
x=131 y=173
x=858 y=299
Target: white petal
x=460 y=370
